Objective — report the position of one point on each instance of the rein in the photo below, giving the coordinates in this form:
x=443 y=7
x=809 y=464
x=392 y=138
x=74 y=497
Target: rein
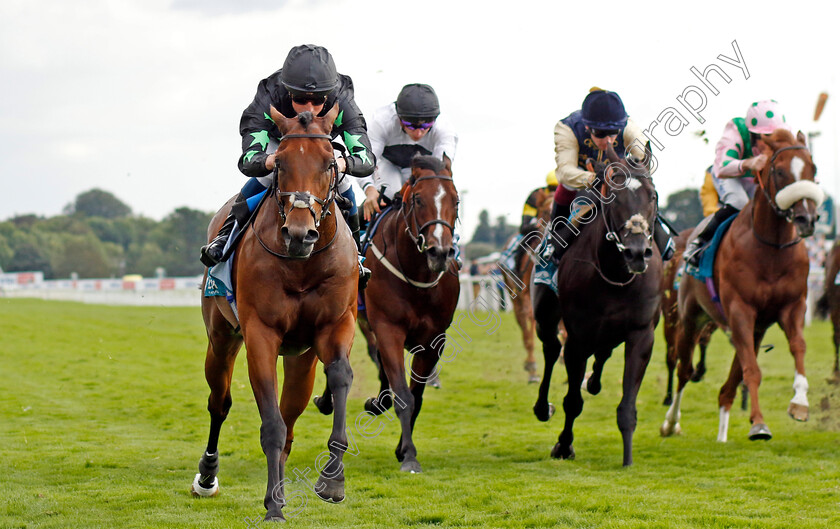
x=303 y=200
x=785 y=214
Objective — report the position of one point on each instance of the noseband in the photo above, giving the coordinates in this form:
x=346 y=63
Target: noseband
x=419 y=240
x=304 y=199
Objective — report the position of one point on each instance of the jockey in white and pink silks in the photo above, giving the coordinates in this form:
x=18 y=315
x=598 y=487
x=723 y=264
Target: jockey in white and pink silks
x=737 y=161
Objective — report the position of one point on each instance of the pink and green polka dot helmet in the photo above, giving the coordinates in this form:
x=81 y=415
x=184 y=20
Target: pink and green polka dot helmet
x=763 y=117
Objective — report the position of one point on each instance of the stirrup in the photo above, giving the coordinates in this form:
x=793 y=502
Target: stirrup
x=211 y=254
x=364 y=273
x=692 y=252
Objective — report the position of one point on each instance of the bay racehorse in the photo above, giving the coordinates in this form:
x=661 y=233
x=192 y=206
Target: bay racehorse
x=761 y=278
x=671 y=277
x=412 y=294
x=519 y=287
x=609 y=294
x=829 y=303
x=295 y=278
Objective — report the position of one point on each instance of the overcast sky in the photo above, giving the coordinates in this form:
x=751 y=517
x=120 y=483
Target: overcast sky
x=142 y=98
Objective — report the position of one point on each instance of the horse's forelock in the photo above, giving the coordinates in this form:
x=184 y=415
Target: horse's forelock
x=305 y=119
x=428 y=162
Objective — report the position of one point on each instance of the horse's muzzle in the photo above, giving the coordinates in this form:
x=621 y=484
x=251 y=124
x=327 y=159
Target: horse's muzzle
x=804 y=224
x=637 y=259
x=299 y=240
x=437 y=257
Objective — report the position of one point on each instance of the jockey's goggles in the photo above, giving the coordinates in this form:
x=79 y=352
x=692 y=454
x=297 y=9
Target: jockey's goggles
x=414 y=126
x=603 y=133
x=315 y=99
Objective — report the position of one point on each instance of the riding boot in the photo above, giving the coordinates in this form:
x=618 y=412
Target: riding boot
x=663 y=239
x=212 y=253
x=561 y=233
x=692 y=250
x=364 y=272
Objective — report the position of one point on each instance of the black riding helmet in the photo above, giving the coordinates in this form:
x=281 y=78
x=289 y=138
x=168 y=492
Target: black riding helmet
x=418 y=102
x=309 y=70
x=603 y=109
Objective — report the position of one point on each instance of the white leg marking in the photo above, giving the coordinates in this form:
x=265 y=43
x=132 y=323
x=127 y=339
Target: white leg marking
x=800 y=390
x=672 y=417
x=723 y=429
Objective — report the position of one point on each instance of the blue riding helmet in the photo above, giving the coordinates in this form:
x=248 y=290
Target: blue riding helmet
x=603 y=110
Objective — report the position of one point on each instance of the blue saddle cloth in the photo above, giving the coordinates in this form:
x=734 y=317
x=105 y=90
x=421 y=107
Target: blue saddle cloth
x=707 y=257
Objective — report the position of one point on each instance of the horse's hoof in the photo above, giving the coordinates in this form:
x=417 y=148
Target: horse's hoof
x=269 y=517
x=530 y=367
x=668 y=400
x=533 y=378
x=544 y=413
x=563 y=452
x=204 y=492
x=593 y=386
x=434 y=381
x=378 y=406
x=324 y=405
x=760 y=432
x=411 y=465
x=798 y=412
x=667 y=429
x=330 y=490
x=697 y=376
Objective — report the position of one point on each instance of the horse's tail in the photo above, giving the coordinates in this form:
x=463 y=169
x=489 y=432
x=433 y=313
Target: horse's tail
x=823 y=306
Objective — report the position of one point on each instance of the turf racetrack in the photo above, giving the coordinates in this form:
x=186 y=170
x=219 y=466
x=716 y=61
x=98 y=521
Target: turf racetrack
x=103 y=420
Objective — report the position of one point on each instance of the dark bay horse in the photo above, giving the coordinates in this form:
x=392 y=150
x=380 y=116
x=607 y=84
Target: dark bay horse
x=296 y=282
x=609 y=294
x=671 y=319
x=412 y=294
x=829 y=303
x=760 y=276
x=521 y=289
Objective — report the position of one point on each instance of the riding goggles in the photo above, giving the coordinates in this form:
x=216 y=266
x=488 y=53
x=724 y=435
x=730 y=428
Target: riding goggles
x=603 y=133
x=303 y=99
x=414 y=126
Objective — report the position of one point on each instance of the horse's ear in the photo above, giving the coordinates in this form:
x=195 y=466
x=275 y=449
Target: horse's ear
x=801 y=138
x=278 y=118
x=611 y=155
x=329 y=118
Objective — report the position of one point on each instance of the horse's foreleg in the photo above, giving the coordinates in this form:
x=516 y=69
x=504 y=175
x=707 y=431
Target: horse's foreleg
x=525 y=319
x=390 y=341
x=705 y=338
x=547 y=318
x=742 y=322
x=637 y=351
x=684 y=350
x=333 y=348
x=792 y=321
x=592 y=383
x=726 y=397
x=573 y=402
x=218 y=370
x=262 y=345
x=298 y=381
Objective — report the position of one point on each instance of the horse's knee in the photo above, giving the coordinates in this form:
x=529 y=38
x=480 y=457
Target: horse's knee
x=339 y=374
x=273 y=434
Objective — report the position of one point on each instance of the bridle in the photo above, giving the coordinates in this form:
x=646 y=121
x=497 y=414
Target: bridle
x=785 y=214
x=302 y=200
x=419 y=240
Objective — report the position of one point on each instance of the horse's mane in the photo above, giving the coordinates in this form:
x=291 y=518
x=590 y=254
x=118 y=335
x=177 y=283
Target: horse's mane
x=305 y=119
x=428 y=162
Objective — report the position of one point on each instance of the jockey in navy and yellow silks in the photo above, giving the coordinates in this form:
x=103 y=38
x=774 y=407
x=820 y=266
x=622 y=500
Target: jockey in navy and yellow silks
x=586 y=134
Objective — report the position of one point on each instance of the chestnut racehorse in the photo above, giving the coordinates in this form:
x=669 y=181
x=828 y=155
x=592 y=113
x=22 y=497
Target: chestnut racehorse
x=609 y=293
x=829 y=302
x=761 y=278
x=671 y=318
x=521 y=290
x=296 y=280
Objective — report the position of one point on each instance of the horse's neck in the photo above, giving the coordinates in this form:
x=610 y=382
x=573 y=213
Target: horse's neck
x=767 y=224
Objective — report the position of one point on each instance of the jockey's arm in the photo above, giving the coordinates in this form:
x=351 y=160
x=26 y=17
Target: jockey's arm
x=566 y=155
x=730 y=159
x=635 y=140
x=257 y=132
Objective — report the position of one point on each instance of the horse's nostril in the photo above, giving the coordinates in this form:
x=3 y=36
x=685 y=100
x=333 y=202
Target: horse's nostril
x=648 y=253
x=451 y=253
x=311 y=236
x=627 y=254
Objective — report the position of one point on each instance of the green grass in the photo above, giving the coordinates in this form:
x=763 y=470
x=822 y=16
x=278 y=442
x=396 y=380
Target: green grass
x=103 y=419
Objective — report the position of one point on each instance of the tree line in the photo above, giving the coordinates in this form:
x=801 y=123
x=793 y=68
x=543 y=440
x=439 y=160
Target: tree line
x=98 y=236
